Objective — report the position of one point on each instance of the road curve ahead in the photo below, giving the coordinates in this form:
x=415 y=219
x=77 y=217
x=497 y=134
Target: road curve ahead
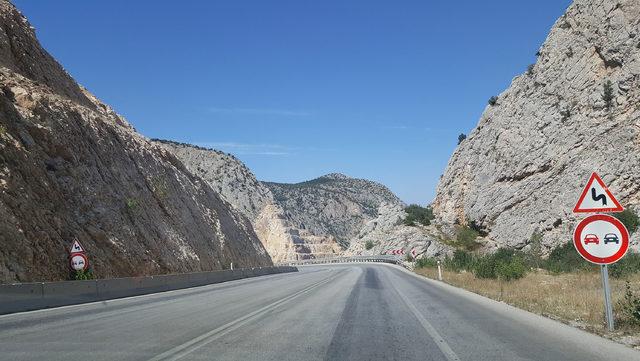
x=336 y=312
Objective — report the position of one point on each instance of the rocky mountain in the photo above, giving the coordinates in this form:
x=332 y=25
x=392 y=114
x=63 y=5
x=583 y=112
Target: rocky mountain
x=71 y=168
x=387 y=232
x=575 y=111
x=333 y=204
x=238 y=185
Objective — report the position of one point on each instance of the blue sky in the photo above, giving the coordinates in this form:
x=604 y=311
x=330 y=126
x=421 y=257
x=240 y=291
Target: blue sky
x=296 y=89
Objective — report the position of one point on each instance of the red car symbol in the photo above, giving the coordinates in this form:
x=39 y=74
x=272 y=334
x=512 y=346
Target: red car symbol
x=591 y=238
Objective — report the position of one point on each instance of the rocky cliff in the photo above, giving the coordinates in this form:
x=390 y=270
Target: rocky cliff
x=239 y=186
x=71 y=168
x=575 y=111
x=333 y=204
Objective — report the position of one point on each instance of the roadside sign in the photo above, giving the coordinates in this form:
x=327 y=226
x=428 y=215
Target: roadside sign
x=76 y=248
x=78 y=262
x=601 y=239
x=596 y=197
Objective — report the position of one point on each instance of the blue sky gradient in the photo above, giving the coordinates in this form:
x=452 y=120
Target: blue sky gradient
x=297 y=89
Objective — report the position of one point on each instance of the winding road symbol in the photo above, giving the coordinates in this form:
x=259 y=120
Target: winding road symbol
x=598 y=197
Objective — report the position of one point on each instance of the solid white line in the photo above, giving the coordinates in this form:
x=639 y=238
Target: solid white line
x=194 y=344
x=440 y=342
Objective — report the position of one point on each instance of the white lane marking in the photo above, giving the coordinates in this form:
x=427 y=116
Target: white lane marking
x=194 y=344
x=440 y=342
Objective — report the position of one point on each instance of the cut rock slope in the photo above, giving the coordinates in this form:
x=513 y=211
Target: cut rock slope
x=71 y=168
x=522 y=168
x=238 y=185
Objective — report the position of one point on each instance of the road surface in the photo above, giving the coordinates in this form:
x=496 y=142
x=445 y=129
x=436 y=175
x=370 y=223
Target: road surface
x=336 y=312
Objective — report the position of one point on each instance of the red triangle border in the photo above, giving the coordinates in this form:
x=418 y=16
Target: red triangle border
x=595 y=177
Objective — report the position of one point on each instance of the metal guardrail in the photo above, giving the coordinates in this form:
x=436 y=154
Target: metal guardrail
x=352 y=259
x=32 y=296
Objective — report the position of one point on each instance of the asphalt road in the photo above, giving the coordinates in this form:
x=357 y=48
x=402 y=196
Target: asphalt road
x=337 y=312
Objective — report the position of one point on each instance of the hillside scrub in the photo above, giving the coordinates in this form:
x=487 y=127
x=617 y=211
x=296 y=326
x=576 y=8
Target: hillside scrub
x=574 y=297
x=629 y=218
x=466 y=238
x=417 y=214
x=507 y=264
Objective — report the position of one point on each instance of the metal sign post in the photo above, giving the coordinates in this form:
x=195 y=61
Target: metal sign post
x=600 y=238
x=607 y=296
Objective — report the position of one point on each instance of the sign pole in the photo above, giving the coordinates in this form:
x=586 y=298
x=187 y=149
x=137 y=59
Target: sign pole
x=607 y=297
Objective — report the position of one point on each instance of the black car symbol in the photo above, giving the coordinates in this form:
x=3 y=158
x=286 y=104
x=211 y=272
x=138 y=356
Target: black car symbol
x=611 y=238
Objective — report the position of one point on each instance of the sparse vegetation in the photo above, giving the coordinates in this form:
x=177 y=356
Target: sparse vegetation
x=83 y=275
x=574 y=297
x=535 y=249
x=630 y=305
x=493 y=100
x=461 y=138
x=160 y=188
x=629 y=218
x=368 y=245
x=607 y=94
x=409 y=258
x=466 y=238
x=627 y=266
x=569 y=52
x=565 y=114
x=3 y=130
x=132 y=203
x=530 y=68
x=417 y=214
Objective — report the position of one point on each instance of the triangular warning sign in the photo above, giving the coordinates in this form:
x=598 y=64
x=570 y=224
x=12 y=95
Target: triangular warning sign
x=76 y=248
x=596 y=197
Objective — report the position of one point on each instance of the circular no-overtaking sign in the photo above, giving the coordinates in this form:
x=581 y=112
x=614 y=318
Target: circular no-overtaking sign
x=79 y=262
x=601 y=239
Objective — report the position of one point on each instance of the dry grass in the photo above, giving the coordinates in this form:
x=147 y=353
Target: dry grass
x=574 y=298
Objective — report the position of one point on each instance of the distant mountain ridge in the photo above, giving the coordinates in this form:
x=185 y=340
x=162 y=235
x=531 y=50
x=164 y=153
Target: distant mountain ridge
x=239 y=186
x=333 y=204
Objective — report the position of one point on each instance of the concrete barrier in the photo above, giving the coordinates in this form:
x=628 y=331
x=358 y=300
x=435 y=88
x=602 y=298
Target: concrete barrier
x=32 y=296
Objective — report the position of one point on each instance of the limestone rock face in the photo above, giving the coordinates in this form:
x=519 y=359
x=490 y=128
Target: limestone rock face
x=239 y=186
x=387 y=232
x=524 y=165
x=71 y=168
x=333 y=204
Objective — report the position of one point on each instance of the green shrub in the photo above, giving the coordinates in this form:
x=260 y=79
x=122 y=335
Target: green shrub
x=505 y=264
x=493 y=100
x=534 y=256
x=131 y=203
x=629 y=218
x=461 y=138
x=368 y=245
x=3 y=130
x=415 y=213
x=409 y=258
x=466 y=238
x=426 y=262
x=511 y=270
x=83 y=275
x=566 y=259
x=485 y=267
x=628 y=265
x=462 y=260
x=631 y=305
x=607 y=94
